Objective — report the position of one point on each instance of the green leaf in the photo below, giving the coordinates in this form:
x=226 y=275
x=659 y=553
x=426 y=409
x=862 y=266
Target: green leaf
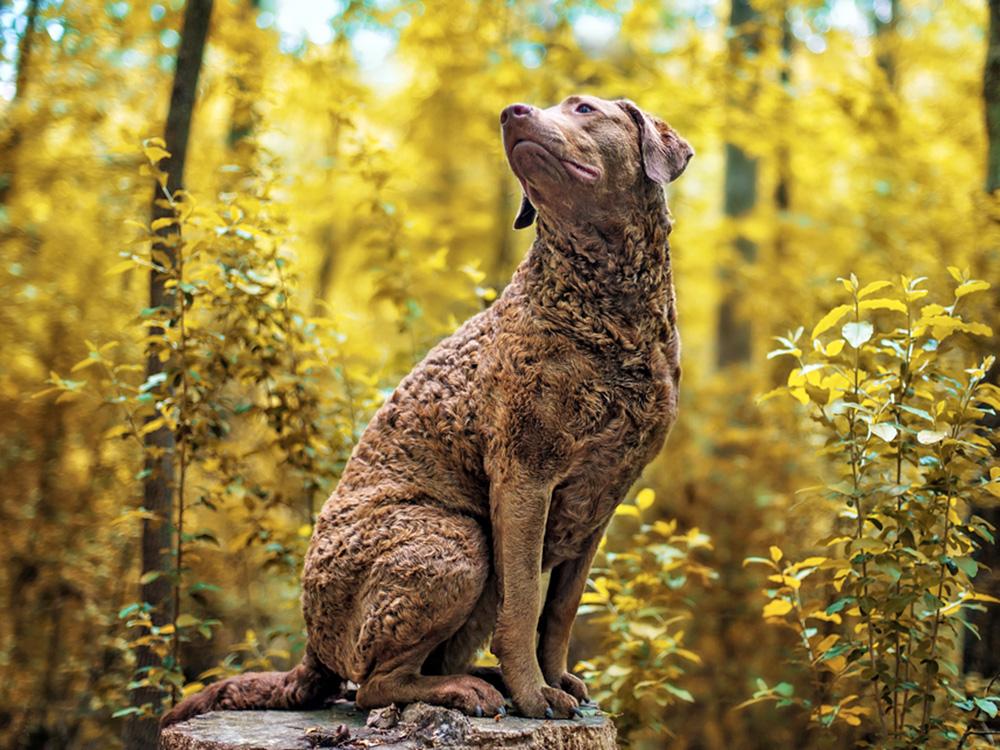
x=126 y=611
x=839 y=605
x=987 y=706
x=202 y=586
x=785 y=689
x=967 y=565
x=917 y=412
x=681 y=693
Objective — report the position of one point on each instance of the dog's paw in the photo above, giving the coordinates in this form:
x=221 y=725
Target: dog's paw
x=547 y=702
x=570 y=683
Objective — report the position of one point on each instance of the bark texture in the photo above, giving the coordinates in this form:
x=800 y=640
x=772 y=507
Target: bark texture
x=418 y=726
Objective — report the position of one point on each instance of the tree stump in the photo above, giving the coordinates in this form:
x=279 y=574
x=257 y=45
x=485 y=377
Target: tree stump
x=417 y=727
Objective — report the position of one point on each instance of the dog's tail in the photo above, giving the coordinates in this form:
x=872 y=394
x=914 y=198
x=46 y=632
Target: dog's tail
x=307 y=686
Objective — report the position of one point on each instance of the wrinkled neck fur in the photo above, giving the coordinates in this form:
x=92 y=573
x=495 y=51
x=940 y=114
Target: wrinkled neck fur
x=610 y=285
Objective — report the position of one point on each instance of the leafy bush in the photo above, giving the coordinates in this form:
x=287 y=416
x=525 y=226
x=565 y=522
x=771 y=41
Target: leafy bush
x=877 y=613
x=248 y=383
x=637 y=597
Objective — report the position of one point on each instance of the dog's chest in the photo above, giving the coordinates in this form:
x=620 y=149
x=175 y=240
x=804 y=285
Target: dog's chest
x=617 y=420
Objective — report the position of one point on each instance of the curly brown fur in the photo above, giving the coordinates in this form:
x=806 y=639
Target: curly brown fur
x=307 y=686
x=504 y=453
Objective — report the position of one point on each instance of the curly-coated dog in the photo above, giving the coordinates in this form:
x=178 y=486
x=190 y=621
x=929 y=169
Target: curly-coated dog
x=504 y=453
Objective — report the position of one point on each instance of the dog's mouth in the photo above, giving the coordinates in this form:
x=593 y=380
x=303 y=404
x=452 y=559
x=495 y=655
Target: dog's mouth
x=583 y=172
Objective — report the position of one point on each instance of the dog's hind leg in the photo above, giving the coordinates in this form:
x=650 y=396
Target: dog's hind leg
x=420 y=593
x=457 y=655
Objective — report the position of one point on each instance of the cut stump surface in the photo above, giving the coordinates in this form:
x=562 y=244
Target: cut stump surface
x=417 y=727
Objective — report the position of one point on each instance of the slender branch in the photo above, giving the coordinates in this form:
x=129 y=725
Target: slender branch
x=856 y=493
x=899 y=708
x=935 y=628
x=182 y=439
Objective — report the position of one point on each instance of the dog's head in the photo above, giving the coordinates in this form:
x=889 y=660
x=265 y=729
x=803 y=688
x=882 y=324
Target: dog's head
x=583 y=159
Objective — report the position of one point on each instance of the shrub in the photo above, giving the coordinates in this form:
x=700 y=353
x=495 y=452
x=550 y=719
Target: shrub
x=637 y=596
x=877 y=612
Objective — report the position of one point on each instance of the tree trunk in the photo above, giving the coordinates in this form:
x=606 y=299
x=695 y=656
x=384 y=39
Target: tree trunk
x=982 y=655
x=158 y=488
x=733 y=340
x=991 y=97
x=885 y=39
x=12 y=139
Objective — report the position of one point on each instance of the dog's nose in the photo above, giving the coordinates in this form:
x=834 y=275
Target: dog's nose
x=515 y=110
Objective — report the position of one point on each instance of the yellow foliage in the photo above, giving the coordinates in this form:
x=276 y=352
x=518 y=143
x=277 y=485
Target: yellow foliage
x=343 y=212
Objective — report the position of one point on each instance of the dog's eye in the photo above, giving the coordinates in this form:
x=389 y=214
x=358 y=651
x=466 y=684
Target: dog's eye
x=584 y=109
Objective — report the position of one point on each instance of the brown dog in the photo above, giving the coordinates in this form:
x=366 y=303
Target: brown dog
x=504 y=453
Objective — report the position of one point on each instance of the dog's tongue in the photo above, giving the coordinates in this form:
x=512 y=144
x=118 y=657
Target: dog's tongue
x=580 y=171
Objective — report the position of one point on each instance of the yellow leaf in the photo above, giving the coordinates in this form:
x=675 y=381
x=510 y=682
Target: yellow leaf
x=152 y=426
x=627 y=510
x=809 y=562
x=84 y=363
x=836 y=664
x=837 y=540
x=165 y=221
x=827 y=643
x=971 y=286
x=666 y=528
x=191 y=688
x=689 y=655
x=834 y=348
x=645 y=498
x=116 y=432
x=831 y=319
x=776 y=553
x=777 y=608
x=872 y=287
x=883 y=303
x=155 y=154
x=821 y=614
x=984 y=598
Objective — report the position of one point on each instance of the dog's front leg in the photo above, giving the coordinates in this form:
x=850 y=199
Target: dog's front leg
x=566 y=586
x=519 y=509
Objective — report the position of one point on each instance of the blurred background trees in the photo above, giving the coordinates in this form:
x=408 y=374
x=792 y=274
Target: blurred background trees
x=345 y=203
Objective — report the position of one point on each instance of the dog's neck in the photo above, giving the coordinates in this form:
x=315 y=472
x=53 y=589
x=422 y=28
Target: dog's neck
x=609 y=285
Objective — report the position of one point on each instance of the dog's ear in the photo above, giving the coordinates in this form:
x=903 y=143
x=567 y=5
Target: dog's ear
x=665 y=154
x=526 y=216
